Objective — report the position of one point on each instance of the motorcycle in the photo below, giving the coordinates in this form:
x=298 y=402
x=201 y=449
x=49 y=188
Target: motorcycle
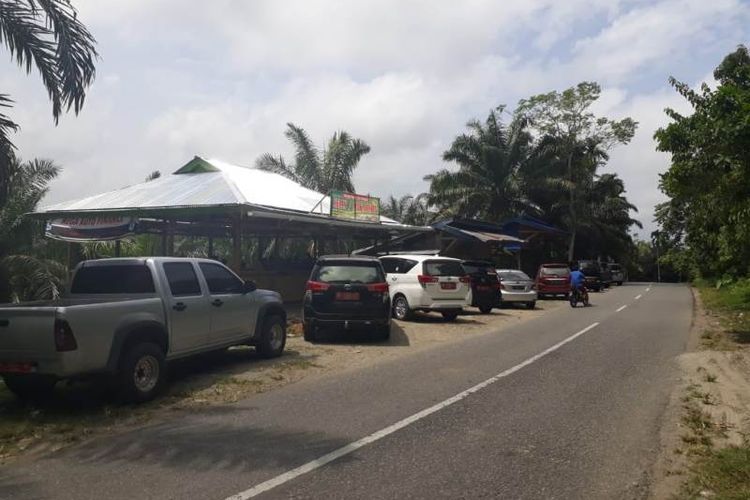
x=579 y=295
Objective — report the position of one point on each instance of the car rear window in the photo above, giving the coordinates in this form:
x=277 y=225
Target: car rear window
x=356 y=272
x=590 y=268
x=478 y=268
x=514 y=276
x=555 y=271
x=443 y=268
x=113 y=279
x=614 y=267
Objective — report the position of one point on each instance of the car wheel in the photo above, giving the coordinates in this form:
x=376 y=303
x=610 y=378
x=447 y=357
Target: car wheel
x=531 y=305
x=450 y=315
x=30 y=387
x=485 y=309
x=383 y=333
x=401 y=309
x=142 y=372
x=272 y=337
x=309 y=331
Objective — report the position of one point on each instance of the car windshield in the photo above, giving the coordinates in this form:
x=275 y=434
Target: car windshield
x=555 y=271
x=513 y=276
x=348 y=273
x=443 y=268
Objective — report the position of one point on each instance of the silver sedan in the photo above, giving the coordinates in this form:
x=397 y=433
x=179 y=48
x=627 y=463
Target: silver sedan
x=517 y=288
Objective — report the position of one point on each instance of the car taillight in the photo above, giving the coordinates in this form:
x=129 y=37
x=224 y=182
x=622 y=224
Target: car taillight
x=316 y=286
x=465 y=279
x=378 y=287
x=64 y=339
x=424 y=279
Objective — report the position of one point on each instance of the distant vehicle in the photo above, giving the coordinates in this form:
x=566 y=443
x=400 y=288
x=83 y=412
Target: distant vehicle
x=426 y=283
x=347 y=292
x=553 y=279
x=485 y=285
x=517 y=288
x=606 y=274
x=618 y=273
x=593 y=272
x=128 y=317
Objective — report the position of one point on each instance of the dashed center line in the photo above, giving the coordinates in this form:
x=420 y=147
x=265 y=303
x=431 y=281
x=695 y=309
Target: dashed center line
x=354 y=446
x=637 y=297
x=622 y=308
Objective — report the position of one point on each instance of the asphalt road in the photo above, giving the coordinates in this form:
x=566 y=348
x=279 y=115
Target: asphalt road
x=567 y=410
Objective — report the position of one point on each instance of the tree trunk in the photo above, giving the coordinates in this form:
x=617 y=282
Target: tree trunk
x=572 y=246
x=571 y=209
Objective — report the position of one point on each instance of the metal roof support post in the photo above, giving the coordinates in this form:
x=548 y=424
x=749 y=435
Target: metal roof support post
x=118 y=248
x=237 y=242
x=518 y=259
x=164 y=229
x=210 y=247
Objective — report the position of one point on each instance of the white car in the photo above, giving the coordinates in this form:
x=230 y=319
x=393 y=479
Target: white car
x=516 y=288
x=426 y=283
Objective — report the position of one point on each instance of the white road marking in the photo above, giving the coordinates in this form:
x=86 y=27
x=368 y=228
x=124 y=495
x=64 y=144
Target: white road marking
x=637 y=297
x=622 y=308
x=375 y=436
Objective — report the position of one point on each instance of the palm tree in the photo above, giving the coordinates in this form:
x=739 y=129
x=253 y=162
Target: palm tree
x=487 y=184
x=324 y=171
x=48 y=36
x=408 y=209
x=22 y=274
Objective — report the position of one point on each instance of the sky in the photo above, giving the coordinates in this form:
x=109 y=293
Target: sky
x=221 y=79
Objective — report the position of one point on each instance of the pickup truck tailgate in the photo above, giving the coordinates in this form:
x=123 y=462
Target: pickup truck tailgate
x=27 y=333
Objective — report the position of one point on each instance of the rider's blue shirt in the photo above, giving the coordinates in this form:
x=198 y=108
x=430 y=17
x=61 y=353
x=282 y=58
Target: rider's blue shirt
x=576 y=279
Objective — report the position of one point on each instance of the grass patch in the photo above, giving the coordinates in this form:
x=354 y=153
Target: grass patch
x=722 y=475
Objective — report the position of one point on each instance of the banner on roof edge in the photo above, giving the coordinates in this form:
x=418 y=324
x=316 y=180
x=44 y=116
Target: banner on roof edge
x=99 y=228
x=355 y=206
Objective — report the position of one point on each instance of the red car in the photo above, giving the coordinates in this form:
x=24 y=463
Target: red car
x=553 y=279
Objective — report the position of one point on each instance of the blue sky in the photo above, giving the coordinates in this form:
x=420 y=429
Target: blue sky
x=221 y=79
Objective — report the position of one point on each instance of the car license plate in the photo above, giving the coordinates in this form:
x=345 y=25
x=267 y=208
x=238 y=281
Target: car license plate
x=347 y=295
x=519 y=288
x=15 y=367
x=448 y=286
x=483 y=288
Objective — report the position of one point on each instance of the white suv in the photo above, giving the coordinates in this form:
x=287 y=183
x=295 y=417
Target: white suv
x=426 y=283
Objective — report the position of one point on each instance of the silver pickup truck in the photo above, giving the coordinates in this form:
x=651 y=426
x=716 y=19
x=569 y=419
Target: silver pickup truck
x=128 y=317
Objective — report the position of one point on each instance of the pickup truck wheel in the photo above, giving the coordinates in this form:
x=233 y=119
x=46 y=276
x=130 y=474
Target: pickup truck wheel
x=142 y=372
x=30 y=386
x=272 y=337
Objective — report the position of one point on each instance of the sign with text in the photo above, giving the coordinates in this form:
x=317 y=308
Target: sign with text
x=99 y=228
x=355 y=206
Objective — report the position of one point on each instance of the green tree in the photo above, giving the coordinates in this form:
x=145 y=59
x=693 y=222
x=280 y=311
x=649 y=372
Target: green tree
x=487 y=183
x=708 y=182
x=408 y=209
x=568 y=128
x=23 y=274
x=45 y=35
x=323 y=171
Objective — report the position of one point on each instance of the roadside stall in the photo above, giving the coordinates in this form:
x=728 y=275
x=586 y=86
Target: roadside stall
x=229 y=209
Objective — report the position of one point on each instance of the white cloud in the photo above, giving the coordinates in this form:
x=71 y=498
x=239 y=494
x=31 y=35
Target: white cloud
x=222 y=78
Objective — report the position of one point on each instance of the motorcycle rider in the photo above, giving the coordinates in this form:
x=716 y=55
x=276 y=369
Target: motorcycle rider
x=577 y=280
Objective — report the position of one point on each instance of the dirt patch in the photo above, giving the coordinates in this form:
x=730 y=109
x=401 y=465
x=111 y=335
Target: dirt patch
x=81 y=411
x=710 y=407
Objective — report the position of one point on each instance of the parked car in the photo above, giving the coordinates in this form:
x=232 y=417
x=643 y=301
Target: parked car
x=618 y=273
x=553 y=279
x=517 y=288
x=347 y=292
x=426 y=283
x=485 y=285
x=593 y=272
x=128 y=317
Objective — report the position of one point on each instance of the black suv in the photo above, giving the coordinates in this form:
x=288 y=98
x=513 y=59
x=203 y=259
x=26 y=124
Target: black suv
x=485 y=285
x=593 y=273
x=347 y=292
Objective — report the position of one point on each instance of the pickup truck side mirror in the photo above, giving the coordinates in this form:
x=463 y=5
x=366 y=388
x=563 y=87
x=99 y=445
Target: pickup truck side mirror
x=249 y=286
